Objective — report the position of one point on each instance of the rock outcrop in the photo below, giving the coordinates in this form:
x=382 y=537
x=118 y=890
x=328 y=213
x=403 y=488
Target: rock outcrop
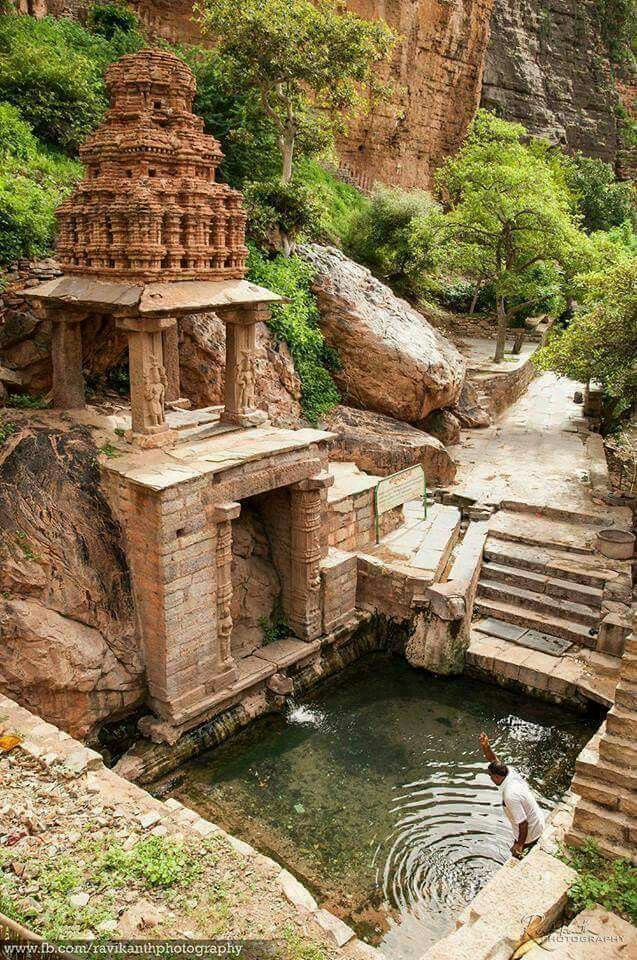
x=381 y=445
x=255 y=582
x=547 y=67
x=69 y=644
x=394 y=361
x=25 y=346
x=435 y=75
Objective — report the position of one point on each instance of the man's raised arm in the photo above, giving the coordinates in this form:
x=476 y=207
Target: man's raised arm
x=486 y=749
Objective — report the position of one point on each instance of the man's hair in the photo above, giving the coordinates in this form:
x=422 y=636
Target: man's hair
x=498 y=769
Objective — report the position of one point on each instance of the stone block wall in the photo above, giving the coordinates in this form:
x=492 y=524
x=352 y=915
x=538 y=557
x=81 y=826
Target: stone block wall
x=351 y=523
x=606 y=775
x=338 y=588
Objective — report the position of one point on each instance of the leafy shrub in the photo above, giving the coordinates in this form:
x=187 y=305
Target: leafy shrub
x=610 y=883
x=109 y=20
x=52 y=71
x=382 y=235
x=278 y=212
x=602 y=200
x=33 y=182
x=297 y=324
x=600 y=342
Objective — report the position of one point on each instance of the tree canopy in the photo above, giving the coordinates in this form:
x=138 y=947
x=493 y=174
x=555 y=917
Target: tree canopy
x=600 y=343
x=508 y=223
x=308 y=60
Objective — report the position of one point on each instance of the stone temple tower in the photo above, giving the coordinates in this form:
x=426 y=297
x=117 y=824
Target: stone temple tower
x=149 y=208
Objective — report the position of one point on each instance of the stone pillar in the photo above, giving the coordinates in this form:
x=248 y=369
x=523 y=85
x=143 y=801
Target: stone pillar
x=307 y=505
x=66 y=354
x=240 y=389
x=170 y=346
x=148 y=380
x=223 y=514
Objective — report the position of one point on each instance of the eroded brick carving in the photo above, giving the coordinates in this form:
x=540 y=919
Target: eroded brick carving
x=149 y=207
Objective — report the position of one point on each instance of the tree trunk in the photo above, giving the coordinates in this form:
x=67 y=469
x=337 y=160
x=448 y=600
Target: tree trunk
x=474 y=298
x=287 y=152
x=500 y=342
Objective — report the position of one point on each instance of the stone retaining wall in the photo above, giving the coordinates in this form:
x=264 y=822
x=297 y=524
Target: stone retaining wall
x=351 y=522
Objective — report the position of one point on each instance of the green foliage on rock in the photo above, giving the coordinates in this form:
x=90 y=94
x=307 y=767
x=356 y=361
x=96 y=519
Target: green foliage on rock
x=618 y=24
x=611 y=884
x=340 y=203
x=600 y=342
x=309 y=60
x=297 y=324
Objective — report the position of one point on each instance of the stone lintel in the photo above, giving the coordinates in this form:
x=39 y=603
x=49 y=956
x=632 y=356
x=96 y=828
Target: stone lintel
x=319 y=482
x=144 y=324
x=229 y=510
x=63 y=313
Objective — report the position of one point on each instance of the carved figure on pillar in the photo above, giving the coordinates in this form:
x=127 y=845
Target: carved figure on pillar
x=155 y=391
x=223 y=514
x=307 y=504
x=246 y=380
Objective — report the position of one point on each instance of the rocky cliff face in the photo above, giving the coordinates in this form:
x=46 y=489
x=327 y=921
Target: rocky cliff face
x=69 y=645
x=543 y=63
x=546 y=66
x=436 y=77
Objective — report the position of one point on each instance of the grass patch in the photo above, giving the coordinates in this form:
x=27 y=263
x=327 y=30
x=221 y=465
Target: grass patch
x=340 y=202
x=7 y=429
x=22 y=401
x=610 y=883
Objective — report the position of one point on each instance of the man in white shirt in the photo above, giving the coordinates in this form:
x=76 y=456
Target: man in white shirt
x=520 y=806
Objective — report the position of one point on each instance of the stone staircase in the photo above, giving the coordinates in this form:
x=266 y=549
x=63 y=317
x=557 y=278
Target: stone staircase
x=539 y=606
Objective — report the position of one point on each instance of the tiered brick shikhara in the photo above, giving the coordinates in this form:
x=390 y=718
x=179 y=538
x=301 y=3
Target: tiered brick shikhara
x=149 y=207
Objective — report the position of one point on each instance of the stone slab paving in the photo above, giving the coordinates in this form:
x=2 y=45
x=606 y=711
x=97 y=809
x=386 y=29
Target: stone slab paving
x=532 y=454
x=526 y=638
x=69 y=818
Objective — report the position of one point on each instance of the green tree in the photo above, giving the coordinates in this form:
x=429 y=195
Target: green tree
x=602 y=200
x=308 y=60
x=600 y=342
x=509 y=223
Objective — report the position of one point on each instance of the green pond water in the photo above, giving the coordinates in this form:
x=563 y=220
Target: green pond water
x=373 y=791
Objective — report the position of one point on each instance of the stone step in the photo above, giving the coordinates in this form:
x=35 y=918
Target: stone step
x=544 y=562
x=534 y=531
x=595 y=767
x=613 y=851
x=541 y=583
x=532 y=600
x=602 y=664
x=618 y=751
x=535 y=620
x=597 y=821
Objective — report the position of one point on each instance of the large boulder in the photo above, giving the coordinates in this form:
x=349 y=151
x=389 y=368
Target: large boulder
x=394 y=361
x=70 y=649
x=380 y=445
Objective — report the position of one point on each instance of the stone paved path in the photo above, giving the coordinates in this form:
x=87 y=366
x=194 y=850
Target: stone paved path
x=532 y=453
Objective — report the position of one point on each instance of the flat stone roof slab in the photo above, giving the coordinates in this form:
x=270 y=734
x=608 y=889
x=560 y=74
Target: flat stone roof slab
x=151 y=299
x=162 y=468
